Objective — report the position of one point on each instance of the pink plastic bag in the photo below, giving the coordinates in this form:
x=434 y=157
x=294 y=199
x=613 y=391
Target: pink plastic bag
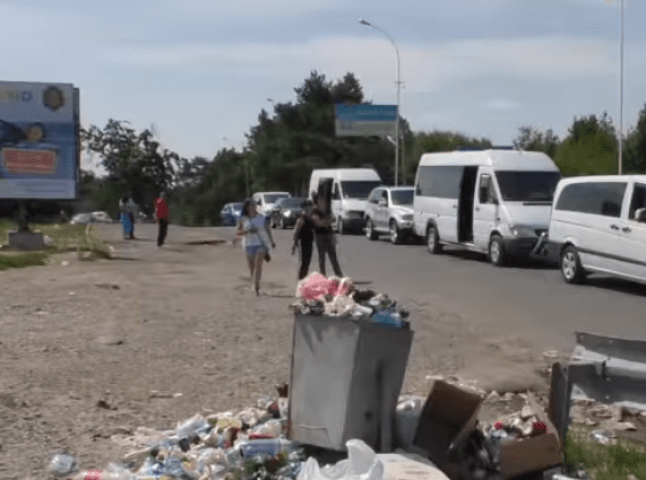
x=314 y=287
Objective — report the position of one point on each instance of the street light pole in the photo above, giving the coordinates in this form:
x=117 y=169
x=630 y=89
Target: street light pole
x=368 y=24
x=621 y=87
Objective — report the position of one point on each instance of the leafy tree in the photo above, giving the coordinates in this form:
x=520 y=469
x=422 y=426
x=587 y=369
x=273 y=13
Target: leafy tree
x=590 y=147
x=535 y=140
x=635 y=152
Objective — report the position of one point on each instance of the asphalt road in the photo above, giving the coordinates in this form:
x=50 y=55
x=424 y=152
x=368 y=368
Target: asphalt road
x=531 y=300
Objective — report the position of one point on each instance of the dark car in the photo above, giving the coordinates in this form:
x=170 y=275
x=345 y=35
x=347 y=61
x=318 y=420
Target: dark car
x=286 y=212
x=230 y=214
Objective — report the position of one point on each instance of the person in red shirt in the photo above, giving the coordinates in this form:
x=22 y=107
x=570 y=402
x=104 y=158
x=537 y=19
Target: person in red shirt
x=161 y=213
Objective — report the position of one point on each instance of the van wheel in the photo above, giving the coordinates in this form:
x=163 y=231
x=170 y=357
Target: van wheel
x=370 y=230
x=433 y=240
x=497 y=254
x=571 y=266
x=395 y=234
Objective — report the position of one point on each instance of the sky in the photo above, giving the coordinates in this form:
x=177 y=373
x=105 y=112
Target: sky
x=201 y=71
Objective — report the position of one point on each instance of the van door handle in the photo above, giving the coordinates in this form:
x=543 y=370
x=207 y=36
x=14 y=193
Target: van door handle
x=477 y=209
x=455 y=206
x=626 y=230
x=614 y=227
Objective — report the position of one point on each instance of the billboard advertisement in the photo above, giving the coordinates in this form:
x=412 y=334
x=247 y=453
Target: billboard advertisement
x=365 y=120
x=39 y=149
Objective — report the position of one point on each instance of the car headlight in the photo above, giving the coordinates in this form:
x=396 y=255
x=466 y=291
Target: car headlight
x=287 y=213
x=522 y=231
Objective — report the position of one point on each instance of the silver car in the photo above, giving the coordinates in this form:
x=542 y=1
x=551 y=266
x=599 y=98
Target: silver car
x=389 y=210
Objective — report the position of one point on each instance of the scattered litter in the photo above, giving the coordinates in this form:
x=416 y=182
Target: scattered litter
x=108 y=286
x=604 y=437
x=177 y=395
x=63 y=464
x=65 y=263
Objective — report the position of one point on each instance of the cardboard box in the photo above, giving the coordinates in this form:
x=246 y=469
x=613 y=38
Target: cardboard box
x=449 y=415
x=533 y=454
x=409 y=467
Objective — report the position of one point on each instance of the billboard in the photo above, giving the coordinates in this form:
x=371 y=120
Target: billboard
x=365 y=120
x=39 y=141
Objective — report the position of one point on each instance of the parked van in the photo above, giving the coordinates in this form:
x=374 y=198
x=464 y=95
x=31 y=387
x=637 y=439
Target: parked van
x=350 y=190
x=598 y=225
x=496 y=202
x=267 y=200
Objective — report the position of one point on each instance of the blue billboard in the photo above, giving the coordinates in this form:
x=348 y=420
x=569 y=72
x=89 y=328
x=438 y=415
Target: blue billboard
x=365 y=120
x=39 y=141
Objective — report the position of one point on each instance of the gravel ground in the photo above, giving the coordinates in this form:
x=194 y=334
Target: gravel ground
x=84 y=345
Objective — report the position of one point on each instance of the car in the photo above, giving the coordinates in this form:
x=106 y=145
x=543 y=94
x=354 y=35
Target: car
x=389 y=210
x=266 y=201
x=101 y=217
x=286 y=212
x=231 y=213
x=598 y=225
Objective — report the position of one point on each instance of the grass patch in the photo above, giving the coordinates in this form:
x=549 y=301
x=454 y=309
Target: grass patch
x=22 y=260
x=605 y=462
x=82 y=239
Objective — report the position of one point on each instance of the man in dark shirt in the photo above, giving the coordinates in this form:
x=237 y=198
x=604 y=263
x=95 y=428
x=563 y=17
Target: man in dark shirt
x=304 y=234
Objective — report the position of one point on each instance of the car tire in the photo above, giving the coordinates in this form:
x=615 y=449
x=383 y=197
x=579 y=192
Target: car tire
x=570 y=266
x=370 y=230
x=433 y=240
x=283 y=226
x=497 y=254
x=395 y=233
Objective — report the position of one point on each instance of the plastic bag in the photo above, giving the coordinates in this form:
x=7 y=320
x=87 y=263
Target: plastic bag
x=362 y=464
x=407 y=416
x=313 y=287
x=192 y=425
x=63 y=464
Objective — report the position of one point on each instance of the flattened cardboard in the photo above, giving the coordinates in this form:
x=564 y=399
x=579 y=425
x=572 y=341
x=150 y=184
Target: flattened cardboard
x=448 y=416
x=409 y=467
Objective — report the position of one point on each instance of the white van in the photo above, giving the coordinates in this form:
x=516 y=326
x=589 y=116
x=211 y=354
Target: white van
x=267 y=200
x=598 y=225
x=350 y=192
x=496 y=202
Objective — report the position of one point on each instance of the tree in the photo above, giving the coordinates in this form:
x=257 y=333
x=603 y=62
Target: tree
x=635 y=152
x=590 y=147
x=534 y=140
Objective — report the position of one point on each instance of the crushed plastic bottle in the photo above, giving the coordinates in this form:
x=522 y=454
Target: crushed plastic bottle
x=63 y=464
x=265 y=447
x=388 y=318
x=192 y=425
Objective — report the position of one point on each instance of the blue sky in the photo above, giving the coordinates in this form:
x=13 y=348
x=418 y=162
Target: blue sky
x=201 y=71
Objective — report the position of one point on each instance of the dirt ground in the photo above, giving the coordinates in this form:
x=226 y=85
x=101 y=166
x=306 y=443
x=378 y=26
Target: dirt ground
x=84 y=346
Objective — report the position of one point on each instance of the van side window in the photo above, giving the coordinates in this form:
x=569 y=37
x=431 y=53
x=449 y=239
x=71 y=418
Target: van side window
x=638 y=202
x=440 y=181
x=596 y=198
x=374 y=197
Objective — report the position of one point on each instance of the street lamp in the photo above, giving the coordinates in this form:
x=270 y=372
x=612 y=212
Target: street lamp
x=621 y=87
x=368 y=24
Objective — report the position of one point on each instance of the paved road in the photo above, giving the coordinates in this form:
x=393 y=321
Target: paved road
x=528 y=300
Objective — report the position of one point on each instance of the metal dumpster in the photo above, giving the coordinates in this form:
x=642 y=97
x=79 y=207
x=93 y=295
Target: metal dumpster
x=346 y=377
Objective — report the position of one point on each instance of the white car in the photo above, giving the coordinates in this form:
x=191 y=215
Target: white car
x=93 y=217
x=266 y=201
x=389 y=210
x=598 y=225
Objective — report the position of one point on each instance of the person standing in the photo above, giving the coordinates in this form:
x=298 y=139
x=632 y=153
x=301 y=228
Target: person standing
x=304 y=234
x=323 y=219
x=126 y=223
x=131 y=209
x=257 y=238
x=161 y=213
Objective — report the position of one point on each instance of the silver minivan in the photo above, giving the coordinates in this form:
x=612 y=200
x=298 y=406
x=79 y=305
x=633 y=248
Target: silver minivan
x=389 y=210
x=598 y=226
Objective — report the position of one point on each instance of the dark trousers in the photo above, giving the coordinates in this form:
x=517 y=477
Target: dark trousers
x=325 y=245
x=132 y=225
x=163 y=230
x=306 y=258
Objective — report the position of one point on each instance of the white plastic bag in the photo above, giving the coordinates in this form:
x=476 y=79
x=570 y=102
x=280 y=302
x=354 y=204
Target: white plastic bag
x=362 y=464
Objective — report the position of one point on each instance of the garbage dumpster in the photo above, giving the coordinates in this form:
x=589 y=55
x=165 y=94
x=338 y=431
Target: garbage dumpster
x=346 y=377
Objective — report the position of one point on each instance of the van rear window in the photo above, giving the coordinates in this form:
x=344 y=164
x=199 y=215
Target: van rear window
x=597 y=198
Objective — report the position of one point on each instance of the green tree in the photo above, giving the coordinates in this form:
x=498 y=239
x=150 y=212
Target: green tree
x=635 y=151
x=590 y=147
x=535 y=140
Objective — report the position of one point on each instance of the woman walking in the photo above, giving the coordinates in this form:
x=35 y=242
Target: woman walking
x=257 y=238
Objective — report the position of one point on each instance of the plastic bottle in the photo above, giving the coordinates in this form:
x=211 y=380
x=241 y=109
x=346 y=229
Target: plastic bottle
x=63 y=464
x=265 y=447
x=388 y=319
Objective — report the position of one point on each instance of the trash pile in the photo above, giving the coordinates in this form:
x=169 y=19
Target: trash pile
x=249 y=444
x=338 y=297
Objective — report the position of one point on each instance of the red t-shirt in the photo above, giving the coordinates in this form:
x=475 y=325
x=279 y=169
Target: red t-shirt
x=162 y=208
